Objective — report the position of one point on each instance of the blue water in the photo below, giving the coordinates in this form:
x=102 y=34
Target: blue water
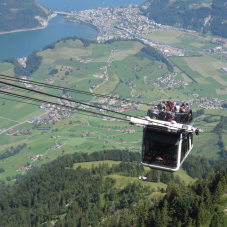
x=21 y=44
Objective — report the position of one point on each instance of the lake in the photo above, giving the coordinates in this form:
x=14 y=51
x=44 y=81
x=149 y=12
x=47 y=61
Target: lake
x=21 y=44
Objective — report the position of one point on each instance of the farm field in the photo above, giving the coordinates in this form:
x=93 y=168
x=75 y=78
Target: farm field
x=179 y=38
x=206 y=72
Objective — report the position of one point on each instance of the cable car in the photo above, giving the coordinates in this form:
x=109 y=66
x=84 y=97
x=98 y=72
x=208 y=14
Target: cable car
x=167 y=138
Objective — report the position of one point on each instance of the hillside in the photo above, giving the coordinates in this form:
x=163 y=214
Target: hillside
x=202 y=16
x=20 y=14
x=58 y=195
x=130 y=71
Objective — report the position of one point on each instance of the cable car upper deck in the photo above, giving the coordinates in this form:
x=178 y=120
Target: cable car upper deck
x=182 y=118
x=180 y=122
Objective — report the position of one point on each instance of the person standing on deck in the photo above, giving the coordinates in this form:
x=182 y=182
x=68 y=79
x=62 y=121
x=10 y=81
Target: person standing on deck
x=160 y=107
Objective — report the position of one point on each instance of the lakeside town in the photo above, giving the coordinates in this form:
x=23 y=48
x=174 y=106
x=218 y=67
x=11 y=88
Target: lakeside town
x=129 y=23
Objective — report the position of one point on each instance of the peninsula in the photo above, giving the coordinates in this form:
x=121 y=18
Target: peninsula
x=23 y=16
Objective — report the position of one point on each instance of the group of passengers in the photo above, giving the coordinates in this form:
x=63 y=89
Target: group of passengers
x=168 y=111
x=173 y=107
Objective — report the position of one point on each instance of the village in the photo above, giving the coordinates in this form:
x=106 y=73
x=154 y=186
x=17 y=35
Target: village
x=168 y=81
x=129 y=23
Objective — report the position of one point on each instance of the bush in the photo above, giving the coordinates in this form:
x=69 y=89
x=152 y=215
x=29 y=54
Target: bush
x=53 y=71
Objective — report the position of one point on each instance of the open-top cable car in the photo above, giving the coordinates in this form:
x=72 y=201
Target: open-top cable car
x=166 y=143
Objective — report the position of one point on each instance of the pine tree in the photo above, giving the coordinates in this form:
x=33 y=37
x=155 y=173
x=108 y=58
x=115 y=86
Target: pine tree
x=158 y=219
x=219 y=219
x=189 y=222
x=201 y=212
x=164 y=214
x=218 y=193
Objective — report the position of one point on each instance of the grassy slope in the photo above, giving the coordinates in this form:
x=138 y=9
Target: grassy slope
x=125 y=67
x=123 y=181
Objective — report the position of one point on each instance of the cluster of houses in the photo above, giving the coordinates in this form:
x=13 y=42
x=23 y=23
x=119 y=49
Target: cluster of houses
x=170 y=51
x=168 y=81
x=127 y=130
x=111 y=118
x=119 y=104
x=22 y=61
x=86 y=60
x=98 y=75
x=142 y=178
x=6 y=88
x=22 y=168
x=56 y=113
x=22 y=133
x=25 y=81
x=211 y=103
x=130 y=21
x=57 y=146
x=35 y=157
x=49 y=81
x=12 y=132
x=86 y=133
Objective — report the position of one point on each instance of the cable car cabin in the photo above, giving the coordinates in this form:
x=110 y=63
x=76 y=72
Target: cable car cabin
x=167 y=138
x=165 y=151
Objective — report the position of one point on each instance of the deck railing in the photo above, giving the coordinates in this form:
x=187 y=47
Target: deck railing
x=182 y=118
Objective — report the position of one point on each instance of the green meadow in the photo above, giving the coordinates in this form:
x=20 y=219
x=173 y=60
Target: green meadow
x=179 y=38
x=98 y=134
x=122 y=181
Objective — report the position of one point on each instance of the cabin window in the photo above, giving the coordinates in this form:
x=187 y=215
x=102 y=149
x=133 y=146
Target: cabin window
x=160 y=148
x=161 y=154
x=184 y=146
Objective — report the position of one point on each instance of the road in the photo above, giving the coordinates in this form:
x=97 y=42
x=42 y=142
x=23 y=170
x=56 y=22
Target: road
x=20 y=123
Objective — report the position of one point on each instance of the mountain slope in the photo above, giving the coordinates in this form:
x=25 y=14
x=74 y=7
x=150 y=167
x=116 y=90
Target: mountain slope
x=58 y=195
x=191 y=14
x=19 y=14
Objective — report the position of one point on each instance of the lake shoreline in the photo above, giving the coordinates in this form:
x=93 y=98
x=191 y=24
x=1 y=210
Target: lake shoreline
x=31 y=29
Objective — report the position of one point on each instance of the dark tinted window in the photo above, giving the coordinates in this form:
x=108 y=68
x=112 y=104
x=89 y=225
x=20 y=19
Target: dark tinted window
x=184 y=147
x=160 y=137
x=160 y=149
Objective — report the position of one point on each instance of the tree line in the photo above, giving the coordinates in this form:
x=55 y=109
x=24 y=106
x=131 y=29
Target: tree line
x=12 y=151
x=86 y=42
x=32 y=64
x=59 y=194
x=153 y=54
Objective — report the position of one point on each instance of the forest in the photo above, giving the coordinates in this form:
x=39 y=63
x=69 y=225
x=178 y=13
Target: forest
x=153 y=55
x=12 y=151
x=19 y=14
x=187 y=14
x=86 y=42
x=57 y=193
x=32 y=64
